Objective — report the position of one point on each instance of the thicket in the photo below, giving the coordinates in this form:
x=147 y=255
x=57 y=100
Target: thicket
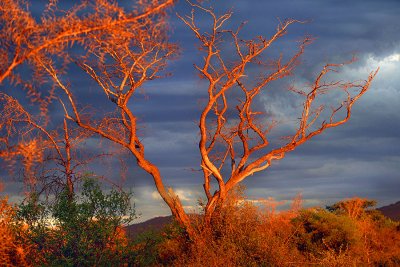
x=85 y=229
x=87 y=232
x=349 y=233
x=13 y=251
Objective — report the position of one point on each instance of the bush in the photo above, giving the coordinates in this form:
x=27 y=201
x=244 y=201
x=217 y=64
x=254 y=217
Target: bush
x=159 y=247
x=12 y=251
x=350 y=234
x=85 y=231
x=321 y=230
x=82 y=230
x=242 y=234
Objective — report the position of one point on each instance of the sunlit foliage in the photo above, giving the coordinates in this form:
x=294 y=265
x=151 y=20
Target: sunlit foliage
x=13 y=250
x=87 y=232
x=246 y=235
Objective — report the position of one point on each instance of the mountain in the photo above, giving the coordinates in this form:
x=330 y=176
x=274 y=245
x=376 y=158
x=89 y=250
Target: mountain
x=155 y=224
x=391 y=211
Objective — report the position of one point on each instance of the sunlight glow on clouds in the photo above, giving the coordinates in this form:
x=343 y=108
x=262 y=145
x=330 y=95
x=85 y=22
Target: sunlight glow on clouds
x=387 y=65
x=184 y=194
x=391 y=58
x=155 y=195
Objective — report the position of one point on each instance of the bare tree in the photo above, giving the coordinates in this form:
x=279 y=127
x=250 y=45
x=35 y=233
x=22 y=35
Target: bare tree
x=122 y=50
x=52 y=159
x=241 y=141
x=22 y=138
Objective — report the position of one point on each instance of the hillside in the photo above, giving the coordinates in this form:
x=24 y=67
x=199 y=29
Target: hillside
x=156 y=223
x=391 y=211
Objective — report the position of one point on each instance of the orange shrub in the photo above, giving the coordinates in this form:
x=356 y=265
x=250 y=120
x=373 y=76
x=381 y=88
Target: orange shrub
x=242 y=234
x=12 y=252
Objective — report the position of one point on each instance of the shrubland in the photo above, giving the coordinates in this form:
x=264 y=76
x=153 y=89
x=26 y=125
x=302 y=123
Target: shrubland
x=243 y=234
x=88 y=232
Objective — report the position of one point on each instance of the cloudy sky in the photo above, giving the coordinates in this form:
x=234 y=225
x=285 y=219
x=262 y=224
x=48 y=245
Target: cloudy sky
x=361 y=158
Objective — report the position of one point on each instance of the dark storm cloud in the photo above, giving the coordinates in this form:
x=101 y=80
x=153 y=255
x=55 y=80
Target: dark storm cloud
x=157 y=107
x=329 y=180
x=345 y=26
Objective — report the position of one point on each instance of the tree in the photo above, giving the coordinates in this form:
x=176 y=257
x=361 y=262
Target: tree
x=86 y=228
x=123 y=49
x=51 y=159
x=354 y=207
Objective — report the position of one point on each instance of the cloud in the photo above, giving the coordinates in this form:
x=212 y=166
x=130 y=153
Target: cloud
x=184 y=195
x=155 y=195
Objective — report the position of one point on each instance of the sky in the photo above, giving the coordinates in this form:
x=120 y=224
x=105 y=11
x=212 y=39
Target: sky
x=361 y=158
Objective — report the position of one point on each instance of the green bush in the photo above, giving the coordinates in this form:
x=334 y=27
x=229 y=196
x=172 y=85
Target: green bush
x=321 y=230
x=82 y=230
x=157 y=247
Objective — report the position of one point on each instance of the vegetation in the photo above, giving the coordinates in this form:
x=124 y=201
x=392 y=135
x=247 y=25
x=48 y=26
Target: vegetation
x=13 y=250
x=86 y=230
x=242 y=234
x=246 y=235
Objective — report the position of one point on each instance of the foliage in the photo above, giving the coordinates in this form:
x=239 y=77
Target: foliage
x=243 y=234
x=354 y=207
x=154 y=247
x=322 y=230
x=13 y=252
x=82 y=231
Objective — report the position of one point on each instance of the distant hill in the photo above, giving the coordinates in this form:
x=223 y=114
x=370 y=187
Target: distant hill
x=156 y=224
x=391 y=211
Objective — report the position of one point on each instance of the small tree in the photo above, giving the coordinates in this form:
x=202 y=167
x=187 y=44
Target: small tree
x=84 y=229
x=354 y=207
x=123 y=49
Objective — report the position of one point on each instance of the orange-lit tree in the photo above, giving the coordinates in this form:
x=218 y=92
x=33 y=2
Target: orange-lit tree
x=240 y=141
x=52 y=159
x=123 y=49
